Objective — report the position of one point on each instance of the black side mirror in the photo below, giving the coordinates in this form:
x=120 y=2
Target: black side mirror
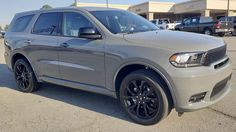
x=89 y=33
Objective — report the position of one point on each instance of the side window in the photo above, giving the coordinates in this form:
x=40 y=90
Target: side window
x=73 y=22
x=21 y=23
x=194 y=20
x=234 y=19
x=187 y=21
x=48 y=24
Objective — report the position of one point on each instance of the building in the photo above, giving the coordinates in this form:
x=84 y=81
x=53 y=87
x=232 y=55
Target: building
x=177 y=11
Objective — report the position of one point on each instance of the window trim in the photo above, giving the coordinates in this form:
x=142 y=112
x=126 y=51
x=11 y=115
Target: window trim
x=28 y=24
x=60 y=24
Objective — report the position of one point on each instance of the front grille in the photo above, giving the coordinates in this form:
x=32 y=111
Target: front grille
x=215 y=55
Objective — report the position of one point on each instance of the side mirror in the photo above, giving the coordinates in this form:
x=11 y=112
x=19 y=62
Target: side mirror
x=89 y=33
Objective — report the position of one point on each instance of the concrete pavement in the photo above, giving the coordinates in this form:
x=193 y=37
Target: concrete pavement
x=59 y=109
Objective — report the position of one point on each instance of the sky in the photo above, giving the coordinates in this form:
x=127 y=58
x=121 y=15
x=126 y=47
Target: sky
x=9 y=7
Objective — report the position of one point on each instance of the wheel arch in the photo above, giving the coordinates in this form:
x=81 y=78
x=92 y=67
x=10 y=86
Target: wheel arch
x=128 y=68
x=17 y=56
x=207 y=28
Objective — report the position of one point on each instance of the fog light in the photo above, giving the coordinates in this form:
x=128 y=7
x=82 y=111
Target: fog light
x=197 y=97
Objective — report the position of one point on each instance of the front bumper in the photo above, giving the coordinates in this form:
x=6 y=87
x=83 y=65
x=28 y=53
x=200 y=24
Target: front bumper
x=193 y=81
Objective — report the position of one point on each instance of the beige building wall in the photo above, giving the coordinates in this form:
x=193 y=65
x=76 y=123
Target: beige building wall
x=190 y=6
x=161 y=6
x=140 y=8
x=152 y=10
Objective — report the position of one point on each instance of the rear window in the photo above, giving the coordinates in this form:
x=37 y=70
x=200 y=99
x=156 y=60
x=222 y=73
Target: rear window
x=21 y=23
x=206 y=19
x=48 y=24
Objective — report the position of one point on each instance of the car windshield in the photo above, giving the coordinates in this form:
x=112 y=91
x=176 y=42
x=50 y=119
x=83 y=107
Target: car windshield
x=123 y=22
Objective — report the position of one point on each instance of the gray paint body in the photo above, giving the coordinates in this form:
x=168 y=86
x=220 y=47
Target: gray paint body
x=93 y=65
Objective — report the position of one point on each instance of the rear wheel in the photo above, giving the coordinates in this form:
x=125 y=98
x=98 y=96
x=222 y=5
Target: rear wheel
x=221 y=34
x=143 y=98
x=25 y=77
x=207 y=32
x=234 y=32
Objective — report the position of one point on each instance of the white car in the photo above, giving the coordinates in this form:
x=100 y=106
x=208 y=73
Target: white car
x=164 y=23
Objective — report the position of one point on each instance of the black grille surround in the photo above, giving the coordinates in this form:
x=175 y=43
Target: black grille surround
x=214 y=55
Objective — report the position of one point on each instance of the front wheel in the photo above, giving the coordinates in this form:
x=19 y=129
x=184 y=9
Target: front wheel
x=25 y=77
x=143 y=98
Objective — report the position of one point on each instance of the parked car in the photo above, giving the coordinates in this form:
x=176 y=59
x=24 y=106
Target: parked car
x=231 y=18
x=164 y=23
x=177 y=22
x=2 y=33
x=205 y=25
x=117 y=53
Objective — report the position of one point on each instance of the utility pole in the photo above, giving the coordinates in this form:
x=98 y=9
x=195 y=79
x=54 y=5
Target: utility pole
x=107 y=3
x=228 y=8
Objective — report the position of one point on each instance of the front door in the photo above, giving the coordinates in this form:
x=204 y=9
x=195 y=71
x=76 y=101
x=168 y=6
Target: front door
x=80 y=60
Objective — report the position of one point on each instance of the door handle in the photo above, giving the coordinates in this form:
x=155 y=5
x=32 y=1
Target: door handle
x=28 y=41
x=65 y=45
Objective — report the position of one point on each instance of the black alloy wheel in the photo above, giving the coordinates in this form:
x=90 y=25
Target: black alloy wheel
x=24 y=76
x=143 y=98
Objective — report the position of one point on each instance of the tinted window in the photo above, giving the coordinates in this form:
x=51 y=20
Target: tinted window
x=194 y=20
x=160 y=22
x=73 y=22
x=154 y=21
x=123 y=22
x=21 y=23
x=48 y=24
x=206 y=19
x=226 y=19
x=187 y=21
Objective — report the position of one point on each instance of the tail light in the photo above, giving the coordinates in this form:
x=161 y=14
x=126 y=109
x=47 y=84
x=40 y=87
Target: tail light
x=217 y=25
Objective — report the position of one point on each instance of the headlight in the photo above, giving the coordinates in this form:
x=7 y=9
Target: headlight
x=182 y=60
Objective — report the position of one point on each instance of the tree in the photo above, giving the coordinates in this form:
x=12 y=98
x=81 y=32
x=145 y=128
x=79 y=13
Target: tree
x=0 y=28
x=46 y=6
x=6 y=27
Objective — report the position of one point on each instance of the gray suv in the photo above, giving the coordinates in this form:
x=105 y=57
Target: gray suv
x=119 y=54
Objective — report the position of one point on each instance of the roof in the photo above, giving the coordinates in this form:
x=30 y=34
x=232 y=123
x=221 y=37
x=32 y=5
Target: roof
x=68 y=8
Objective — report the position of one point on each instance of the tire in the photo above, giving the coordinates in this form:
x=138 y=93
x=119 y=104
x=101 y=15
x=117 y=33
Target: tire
x=207 y=32
x=149 y=107
x=25 y=77
x=221 y=34
x=234 y=32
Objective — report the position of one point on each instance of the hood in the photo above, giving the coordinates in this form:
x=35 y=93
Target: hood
x=174 y=41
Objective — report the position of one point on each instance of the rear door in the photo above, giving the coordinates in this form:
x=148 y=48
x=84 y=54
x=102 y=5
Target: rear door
x=44 y=45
